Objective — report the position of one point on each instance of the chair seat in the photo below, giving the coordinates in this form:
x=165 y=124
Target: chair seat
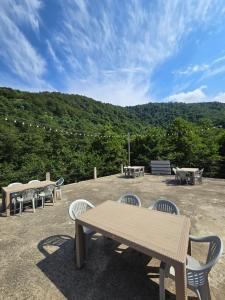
x=42 y=194
x=19 y=199
x=87 y=230
x=191 y=263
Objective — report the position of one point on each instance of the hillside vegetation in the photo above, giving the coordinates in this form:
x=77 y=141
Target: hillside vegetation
x=69 y=135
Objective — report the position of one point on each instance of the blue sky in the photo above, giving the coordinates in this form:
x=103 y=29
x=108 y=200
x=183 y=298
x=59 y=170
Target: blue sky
x=123 y=52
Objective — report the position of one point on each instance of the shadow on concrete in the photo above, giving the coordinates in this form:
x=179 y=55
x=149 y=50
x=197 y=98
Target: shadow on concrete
x=109 y=273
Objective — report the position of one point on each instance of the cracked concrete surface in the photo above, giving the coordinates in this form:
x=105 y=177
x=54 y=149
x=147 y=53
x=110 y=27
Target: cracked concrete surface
x=36 y=249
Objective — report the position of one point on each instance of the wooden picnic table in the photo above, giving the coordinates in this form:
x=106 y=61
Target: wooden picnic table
x=190 y=171
x=133 y=171
x=8 y=190
x=157 y=234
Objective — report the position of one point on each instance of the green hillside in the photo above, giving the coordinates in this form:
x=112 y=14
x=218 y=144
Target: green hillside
x=69 y=135
x=160 y=114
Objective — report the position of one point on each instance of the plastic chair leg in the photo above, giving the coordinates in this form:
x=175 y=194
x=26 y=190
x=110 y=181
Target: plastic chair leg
x=33 y=205
x=21 y=208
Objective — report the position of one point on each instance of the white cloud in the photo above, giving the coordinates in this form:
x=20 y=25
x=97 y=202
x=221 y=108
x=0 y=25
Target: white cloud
x=192 y=69
x=23 y=11
x=195 y=96
x=16 y=52
x=125 y=42
x=57 y=62
x=215 y=67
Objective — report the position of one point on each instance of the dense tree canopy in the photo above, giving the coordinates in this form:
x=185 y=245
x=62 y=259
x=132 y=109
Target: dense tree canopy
x=69 y=135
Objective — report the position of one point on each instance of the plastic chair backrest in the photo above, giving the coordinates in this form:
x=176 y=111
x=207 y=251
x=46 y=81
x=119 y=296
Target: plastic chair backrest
x=175 y=171
x=130 y=199
x=28 y=195
x=14 y=183
x=33 y=181
x=79 y=206
x=59 y=182
x=167 y=206
x=198 y=276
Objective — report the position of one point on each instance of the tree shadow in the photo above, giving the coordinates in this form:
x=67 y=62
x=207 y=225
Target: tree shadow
x=109 y=272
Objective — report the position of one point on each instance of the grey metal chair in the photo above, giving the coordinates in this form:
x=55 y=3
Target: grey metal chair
x=58 y=184
x=130 y=199
x=197 y=273
x=76 y=208
x=166 y=206
x=27 y=196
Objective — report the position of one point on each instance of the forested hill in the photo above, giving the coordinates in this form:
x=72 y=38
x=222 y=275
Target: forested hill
x=160 y=114
x=60 y=110
x=82 y=113
x=69 y=135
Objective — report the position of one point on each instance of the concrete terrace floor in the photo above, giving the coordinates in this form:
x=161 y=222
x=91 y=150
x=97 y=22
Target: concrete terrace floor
x=36 y=250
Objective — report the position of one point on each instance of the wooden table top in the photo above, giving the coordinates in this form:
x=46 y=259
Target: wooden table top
x=149 y=231
x=26 y=186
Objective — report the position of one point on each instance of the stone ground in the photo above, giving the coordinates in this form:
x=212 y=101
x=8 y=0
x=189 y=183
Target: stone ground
x=36 y=250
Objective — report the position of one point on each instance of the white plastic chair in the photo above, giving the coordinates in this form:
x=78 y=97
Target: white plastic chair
x=198 y=176
x=130 y=199
x=182 y=176
x=33 y=181
x=165 y=205
x=27 y=196
x=46 y=193
x=175 y=173
x=77 y=208
x=197 y=273
x=14 y=196
x=58 y=184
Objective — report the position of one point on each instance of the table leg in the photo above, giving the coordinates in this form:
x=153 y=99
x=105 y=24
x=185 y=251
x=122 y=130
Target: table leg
x=189 y=247
x=7 y=204
x=54 y=195
x=80 y=245
x=181 y=281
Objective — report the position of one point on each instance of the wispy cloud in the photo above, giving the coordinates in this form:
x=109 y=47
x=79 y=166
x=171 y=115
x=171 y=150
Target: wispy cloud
x=124 y=42
x=56 y=60
x=208 y=70
x=108 y=50
x=16 y=52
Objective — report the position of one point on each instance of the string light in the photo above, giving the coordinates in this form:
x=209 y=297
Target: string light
x=96 y=134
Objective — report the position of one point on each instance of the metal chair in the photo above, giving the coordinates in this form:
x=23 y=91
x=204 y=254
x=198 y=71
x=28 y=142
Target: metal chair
x=130 y=199
x=77 y=208
x=166 y=206
x=27 y=196
x=197 y=273
x=58 y=184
